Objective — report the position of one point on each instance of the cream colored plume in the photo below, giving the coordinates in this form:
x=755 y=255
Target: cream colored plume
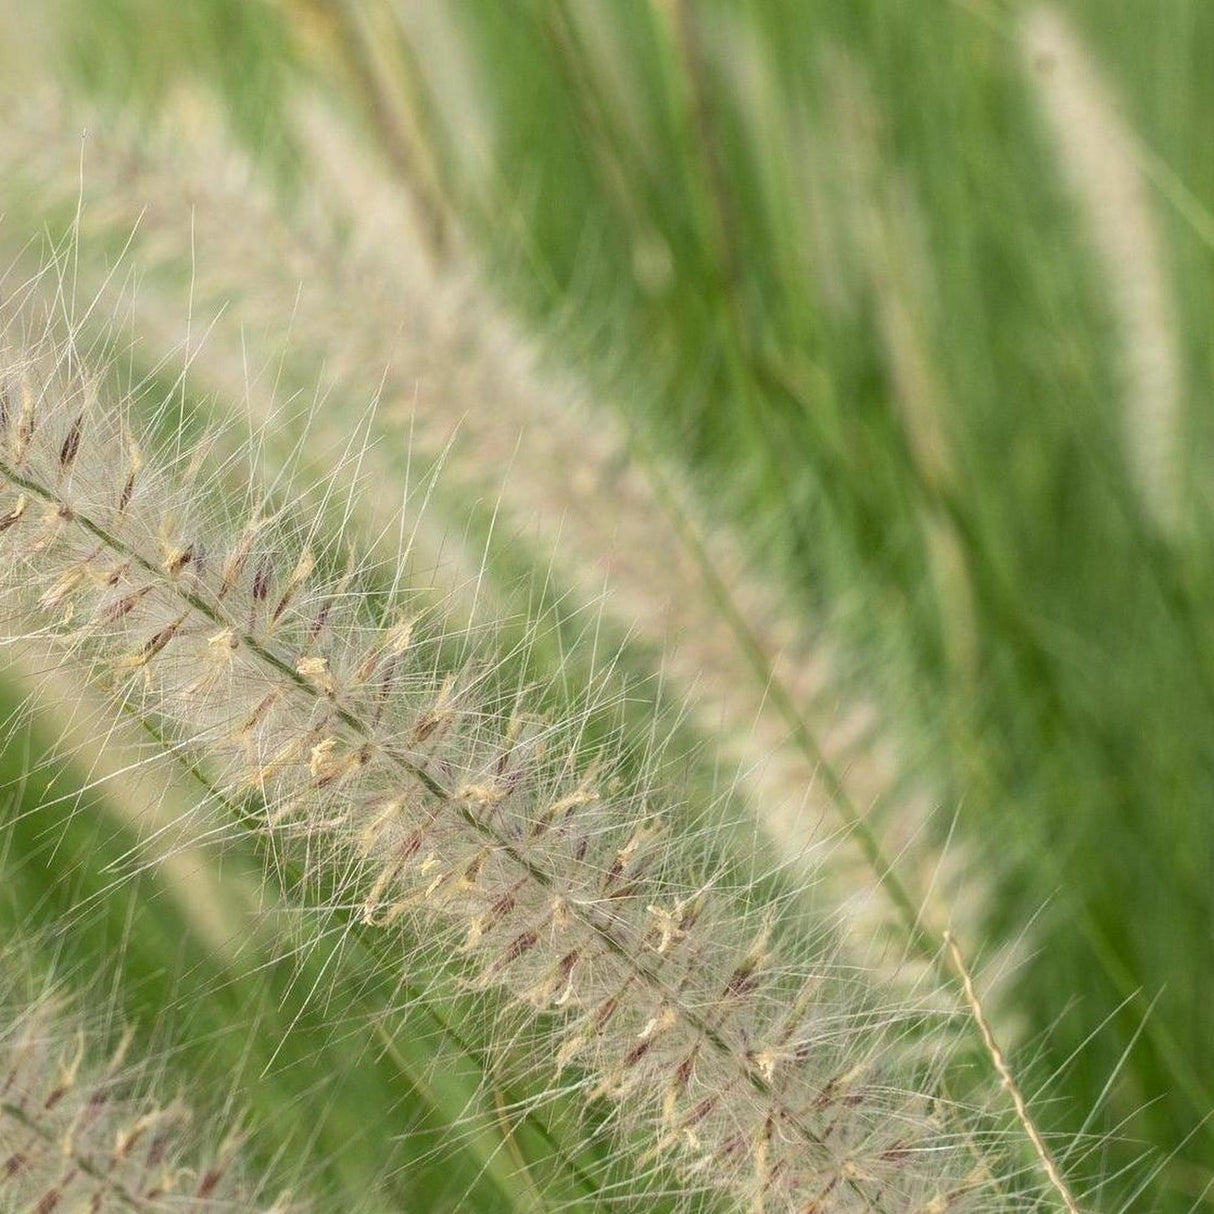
x=1098 y=154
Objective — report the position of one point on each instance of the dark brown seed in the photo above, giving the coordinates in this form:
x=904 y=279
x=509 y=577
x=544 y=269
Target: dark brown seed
x=610 y=1006
x=411 y=844
x=683 y=1073
x=898 y=1152
x=318 y=624
x=25 y=426
x=124 y=498
x=258 y=714
x=126 y=604
x=180 y=561
x=152 y=647
x=425 y=727
x=638 y=1052
x=518 y=946
x=71 y=444
x=157 y=1149
x=827 y=1094
x=261 y=580
x=701 y=1111
x=735 y=1148
x=50 y=1199
x=387 y=678
x=209 y=1183
x=123 y=1149
x=742 y=980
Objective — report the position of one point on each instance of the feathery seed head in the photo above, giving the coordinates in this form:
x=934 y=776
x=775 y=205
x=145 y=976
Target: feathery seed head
x=480 y=830
x=79 y=1134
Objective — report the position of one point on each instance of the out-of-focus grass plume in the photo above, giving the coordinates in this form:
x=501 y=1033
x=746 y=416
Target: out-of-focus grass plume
x=811 y=400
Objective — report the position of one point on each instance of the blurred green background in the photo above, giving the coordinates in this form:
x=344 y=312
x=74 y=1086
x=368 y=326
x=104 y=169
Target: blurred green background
x=831 y=259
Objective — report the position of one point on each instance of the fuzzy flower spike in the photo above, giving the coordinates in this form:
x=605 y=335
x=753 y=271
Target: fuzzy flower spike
x=460 y=819
x=84 y=1134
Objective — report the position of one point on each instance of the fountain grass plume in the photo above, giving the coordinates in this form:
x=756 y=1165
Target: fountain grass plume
x=85 y=1132
x=458 y=384
x=444 y=811
x=1098 y=155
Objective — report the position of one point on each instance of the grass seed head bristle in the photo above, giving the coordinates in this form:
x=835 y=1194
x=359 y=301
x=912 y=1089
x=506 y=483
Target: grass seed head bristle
x=79 y=1132
x=752 y=1071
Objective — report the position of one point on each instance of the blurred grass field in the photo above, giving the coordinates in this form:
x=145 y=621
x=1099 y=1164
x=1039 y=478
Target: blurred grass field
x=828 y=261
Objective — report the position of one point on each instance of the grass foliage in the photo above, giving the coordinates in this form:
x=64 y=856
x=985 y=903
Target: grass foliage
x=797 y=408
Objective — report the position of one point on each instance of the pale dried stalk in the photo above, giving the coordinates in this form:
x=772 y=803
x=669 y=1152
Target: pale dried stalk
x=456 y=381
x=463 y=815
x=1008 y=1079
